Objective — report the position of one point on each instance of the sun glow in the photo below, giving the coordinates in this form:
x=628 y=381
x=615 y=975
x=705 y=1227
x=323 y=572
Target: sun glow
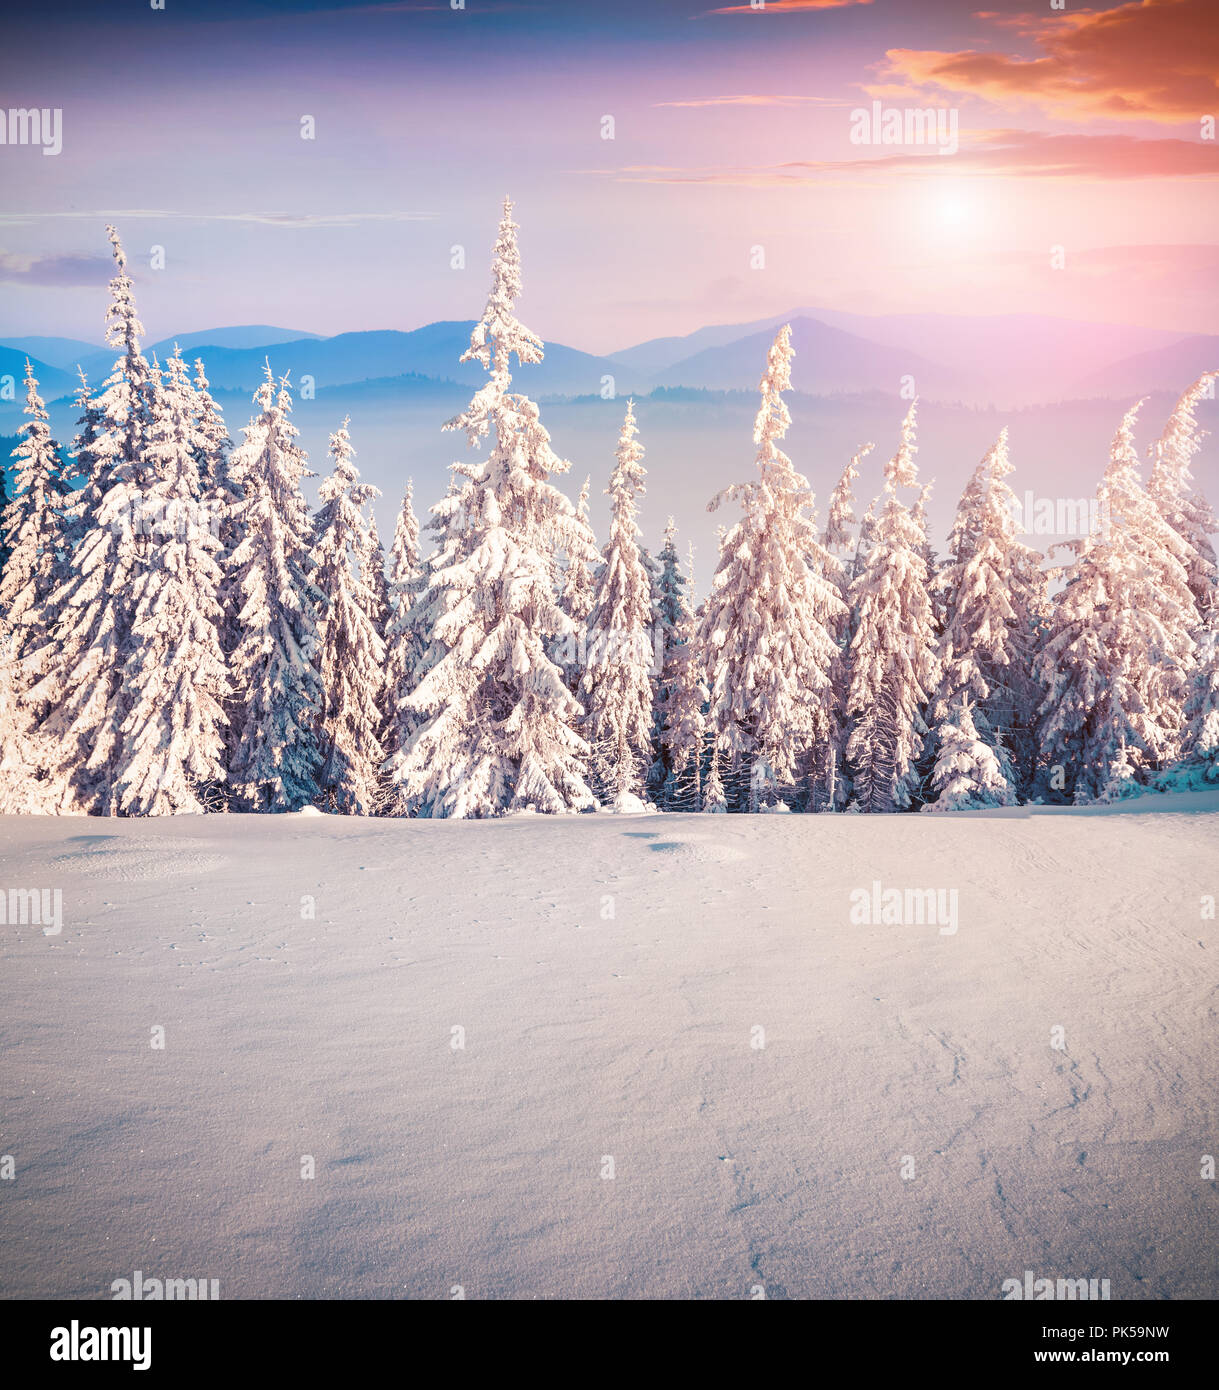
x=954 y=210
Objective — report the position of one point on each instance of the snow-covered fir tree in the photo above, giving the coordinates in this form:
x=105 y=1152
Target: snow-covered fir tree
x=967 y=774
x=275 y=745
x=617 y=687
x=81 y=461
x=40 y=661
x=839 y=538
x=654 y=570
x=672 y=603
x=405 y=645
x=376 y=592
x=715 y=799
x=671 y=610
x=33 y=533
x=829 y=782
x=1117 y=659
x=4 y=501
x=993 y=593
x=223 y=493
x=840 y=510
x=863 y=543
x=1189 y=514
x=170 y=755
x=1201 y=743
x=81 y=671
x=767 y=653
x=918 y=514
x=210 y=441
x=498 y=731
x=351 y=652
x=1184 y=508
x=576 y=591
x=22 y=791
x=372 y=570
x=682 y=702
x=894 y=667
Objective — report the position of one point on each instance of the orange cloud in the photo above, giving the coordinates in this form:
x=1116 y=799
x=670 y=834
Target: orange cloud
x=1149 y=60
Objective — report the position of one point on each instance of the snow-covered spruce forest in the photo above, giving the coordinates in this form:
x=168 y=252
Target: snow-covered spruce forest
x=179 y=633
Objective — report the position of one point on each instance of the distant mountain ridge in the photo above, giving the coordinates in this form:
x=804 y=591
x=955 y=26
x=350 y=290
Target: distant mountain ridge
x=1007 y=360
x=60 y=353
x=1170 y=368
x=53 y=382
x=827 y=360
x=249 y=335
x=433 y=351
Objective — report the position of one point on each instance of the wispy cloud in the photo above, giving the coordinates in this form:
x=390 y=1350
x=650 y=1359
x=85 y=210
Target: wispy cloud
x=1010 y=153
x=268 y=219
x=758 y=99
x=54 y=270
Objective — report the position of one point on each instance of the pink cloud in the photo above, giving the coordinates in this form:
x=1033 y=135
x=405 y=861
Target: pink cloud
x=755 y=100
x=991 y=153
x=789 y=6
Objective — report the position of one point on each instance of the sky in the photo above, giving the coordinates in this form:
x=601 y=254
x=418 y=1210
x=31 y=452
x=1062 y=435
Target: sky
x=1083 y=182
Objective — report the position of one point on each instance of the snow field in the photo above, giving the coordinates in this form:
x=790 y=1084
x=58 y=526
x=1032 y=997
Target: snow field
x=610 y=974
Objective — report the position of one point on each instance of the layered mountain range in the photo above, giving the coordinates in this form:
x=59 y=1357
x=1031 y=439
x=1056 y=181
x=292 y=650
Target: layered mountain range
x=1007 y=361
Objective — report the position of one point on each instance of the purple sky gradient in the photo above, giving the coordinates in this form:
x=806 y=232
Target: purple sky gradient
x=183 y=126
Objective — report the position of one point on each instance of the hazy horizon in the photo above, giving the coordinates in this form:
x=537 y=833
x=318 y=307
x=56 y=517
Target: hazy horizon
x=8 y=335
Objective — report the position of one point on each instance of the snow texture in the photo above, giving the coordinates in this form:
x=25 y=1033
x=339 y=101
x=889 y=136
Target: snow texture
x=628 y=1036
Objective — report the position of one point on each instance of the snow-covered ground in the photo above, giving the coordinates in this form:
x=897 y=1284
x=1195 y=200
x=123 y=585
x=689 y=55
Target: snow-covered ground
x=610 y=974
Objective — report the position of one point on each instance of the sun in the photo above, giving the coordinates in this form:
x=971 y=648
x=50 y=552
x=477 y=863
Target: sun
x=954 y=210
